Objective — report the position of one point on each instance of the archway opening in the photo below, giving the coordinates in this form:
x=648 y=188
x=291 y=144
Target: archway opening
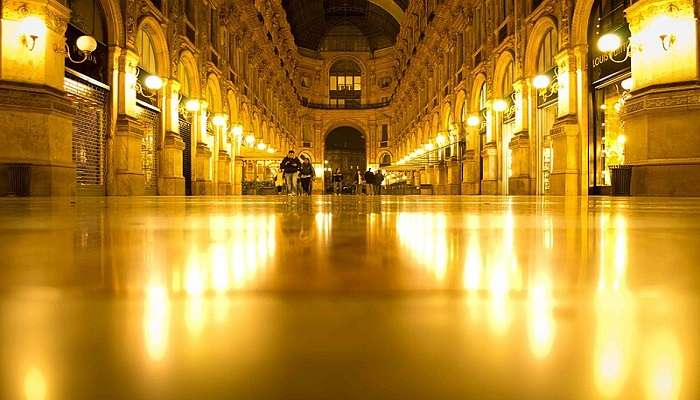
x=345 y=149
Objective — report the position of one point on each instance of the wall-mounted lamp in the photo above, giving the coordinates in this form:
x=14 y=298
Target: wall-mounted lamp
x=270 y=150
x=250 y=140
x=610 y=43
x=429 y=147
x=473 y=121
x=500 y=105
x=219 y=120
x=546 y=85
x=192 y=105
x=86 y=45
x=665 y=26
x=237 y=130
x=261 y=146
x=152 y=82
x=441 y=139
x=31 y=28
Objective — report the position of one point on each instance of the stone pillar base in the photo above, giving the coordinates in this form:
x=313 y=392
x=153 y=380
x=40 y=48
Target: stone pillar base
x=172 y=182
x=128 y=160
x=566 y=171
x=489 y=187
x=520 y=186
x=37 y=132
x=470 y=188
x=663 y=141
x=203 y=188
x=224 y=189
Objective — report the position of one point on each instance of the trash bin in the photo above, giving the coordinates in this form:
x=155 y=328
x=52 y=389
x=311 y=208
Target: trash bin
x=621 y=176
x=20 y=179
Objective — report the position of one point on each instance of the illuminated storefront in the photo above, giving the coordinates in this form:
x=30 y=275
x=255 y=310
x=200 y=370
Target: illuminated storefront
x=609 y=69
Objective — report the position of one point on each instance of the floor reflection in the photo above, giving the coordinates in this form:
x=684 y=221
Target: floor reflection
x=599 y=299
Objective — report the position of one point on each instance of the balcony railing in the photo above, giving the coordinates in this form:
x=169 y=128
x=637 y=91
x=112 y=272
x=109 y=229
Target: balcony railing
x=349 y=106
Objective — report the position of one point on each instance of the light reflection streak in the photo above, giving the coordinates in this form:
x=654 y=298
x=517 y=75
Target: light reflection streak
x=541 y=324
x=156 y=326
x=663 y=366
x=35 y=386
x=616 y=329
x=424 y=236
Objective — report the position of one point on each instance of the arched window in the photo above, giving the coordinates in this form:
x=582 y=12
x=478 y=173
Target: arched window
x=547 y=51
x=146 y=52
x=345 y=84
x=385 y=161
x=507 y=83
x=184 y=80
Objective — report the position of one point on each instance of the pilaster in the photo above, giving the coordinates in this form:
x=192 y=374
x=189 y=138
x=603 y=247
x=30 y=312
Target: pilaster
x=566 y=170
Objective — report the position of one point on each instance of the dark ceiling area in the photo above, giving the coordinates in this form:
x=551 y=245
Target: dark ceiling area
x=311 y=20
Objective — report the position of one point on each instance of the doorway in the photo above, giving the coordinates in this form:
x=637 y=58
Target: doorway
x=345 y=148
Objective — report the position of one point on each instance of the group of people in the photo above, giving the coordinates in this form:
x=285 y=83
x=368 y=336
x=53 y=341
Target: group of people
x=297 y=175
x=372 y=182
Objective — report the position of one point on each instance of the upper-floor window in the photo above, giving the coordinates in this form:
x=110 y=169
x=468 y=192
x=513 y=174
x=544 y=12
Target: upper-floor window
x=345 y=83
x=385 y=136
x=146 y=52
x=478 y=28
x=503 y=10
x=213 y=28
x=184 y=80
x=547 y=51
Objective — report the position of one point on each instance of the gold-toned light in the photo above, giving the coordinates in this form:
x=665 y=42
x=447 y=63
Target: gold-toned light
x=441 y=139
x=192 y=105
x=250 y=140
x=429 y=147
x=237 y=130
x=473 y=120
x=32 y=28
x=219 y=120
x=541 y=81
x=261 y=146
x=153 y=82
x=609 y=43
x=499 y=105
x=627 y=84
x=86 y=43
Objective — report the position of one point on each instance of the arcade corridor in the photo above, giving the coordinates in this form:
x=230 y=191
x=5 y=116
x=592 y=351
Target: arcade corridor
x=349 y=298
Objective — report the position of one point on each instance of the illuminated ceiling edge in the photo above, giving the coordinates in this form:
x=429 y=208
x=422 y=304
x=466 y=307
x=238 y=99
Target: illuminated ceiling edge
x=392 y=8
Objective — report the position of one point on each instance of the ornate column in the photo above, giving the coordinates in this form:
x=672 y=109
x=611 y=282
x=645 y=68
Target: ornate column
x=36 y=117
x=489 y=154
x=470 y=167
x=662 y=118
x=171 y=181
x=566 y=143
x=203 y=182
x=520 y=182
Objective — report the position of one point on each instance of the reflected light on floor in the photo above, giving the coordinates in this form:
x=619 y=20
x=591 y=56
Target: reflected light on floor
x=424 y=236
x=663 y=367
x=34 y=384
x=156 y=322
x=541 y=323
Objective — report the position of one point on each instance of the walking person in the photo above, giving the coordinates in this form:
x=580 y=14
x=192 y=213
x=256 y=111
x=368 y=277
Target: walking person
x=279 y=181
x=306 y=175
x=369 y=182
x=290 y=166
x=378 y=179
x=337 y=181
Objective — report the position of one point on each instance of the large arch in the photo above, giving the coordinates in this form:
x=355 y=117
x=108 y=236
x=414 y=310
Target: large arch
x=479 y=82
x=160 y=44
x=189 y=65
x=345 y=147
x=504 y=60
x=445 y=116
x=460 y=107
x=537 y=34
x=214 y=94
x=579 y=22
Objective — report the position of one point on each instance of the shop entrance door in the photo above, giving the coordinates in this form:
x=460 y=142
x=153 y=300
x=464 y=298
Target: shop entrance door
x=150 y=118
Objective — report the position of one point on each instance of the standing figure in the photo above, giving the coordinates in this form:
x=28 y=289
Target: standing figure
x=358 y=182
x=306 y=175
x=290 y=165
x=378 y=179
x=337 y=181
x=369 y=182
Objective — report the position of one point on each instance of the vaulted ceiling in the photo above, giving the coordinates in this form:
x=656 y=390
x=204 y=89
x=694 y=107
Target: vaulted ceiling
x=378 y=20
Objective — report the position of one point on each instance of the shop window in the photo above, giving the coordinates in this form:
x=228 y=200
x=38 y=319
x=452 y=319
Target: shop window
x=146 y=52
x=385 y=136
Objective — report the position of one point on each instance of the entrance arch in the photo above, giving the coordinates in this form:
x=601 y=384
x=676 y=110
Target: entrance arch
x=345 y=148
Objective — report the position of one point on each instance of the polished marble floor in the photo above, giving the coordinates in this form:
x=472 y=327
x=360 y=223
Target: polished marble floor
x=350 y=298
